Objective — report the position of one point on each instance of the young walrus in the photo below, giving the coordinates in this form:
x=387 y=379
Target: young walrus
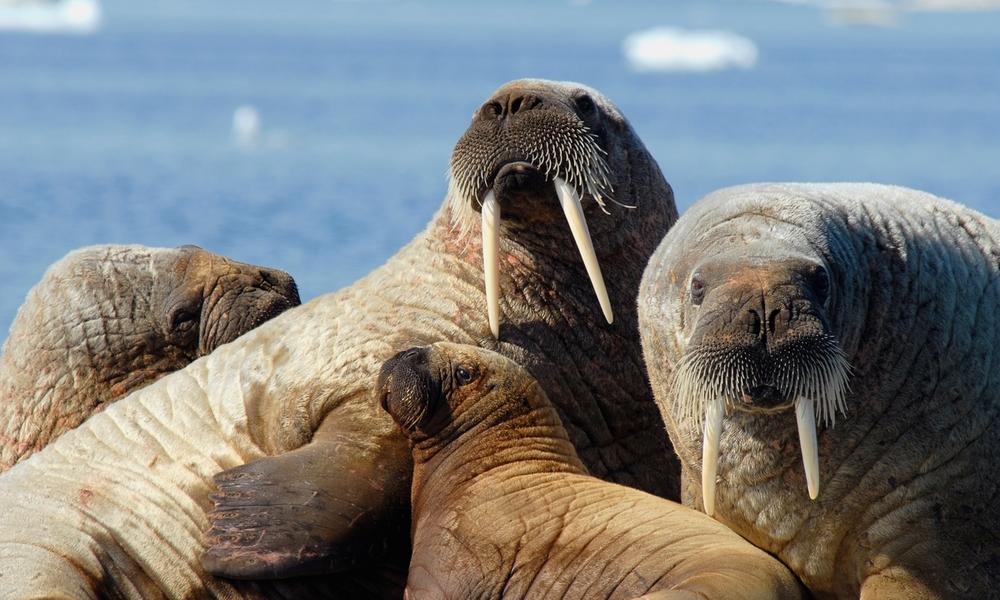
x=752 y=309
x=106 y=320
x=503 y=507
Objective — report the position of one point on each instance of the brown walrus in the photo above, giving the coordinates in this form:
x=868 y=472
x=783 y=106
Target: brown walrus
x=314 y=476
x=107 y=320
x=769 y=306
x=503 y=507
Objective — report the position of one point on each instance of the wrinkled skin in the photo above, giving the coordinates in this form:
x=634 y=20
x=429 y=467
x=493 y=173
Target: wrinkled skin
x=314 y=475
x=107 y=320
x=503 y=507
x=908 y=476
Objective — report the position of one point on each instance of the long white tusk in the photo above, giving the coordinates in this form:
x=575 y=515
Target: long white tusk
x=805 y=416
x=491 y=260
x=714 y=411
x=570 y=202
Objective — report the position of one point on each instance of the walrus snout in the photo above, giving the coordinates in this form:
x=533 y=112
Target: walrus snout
x=532 y=133
x=405 y=387
x=761 y=343
x=243 y=297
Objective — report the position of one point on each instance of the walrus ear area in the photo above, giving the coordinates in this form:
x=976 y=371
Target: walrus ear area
x=339 y=502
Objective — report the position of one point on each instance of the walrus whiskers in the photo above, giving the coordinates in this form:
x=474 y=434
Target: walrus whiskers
x=707 y=382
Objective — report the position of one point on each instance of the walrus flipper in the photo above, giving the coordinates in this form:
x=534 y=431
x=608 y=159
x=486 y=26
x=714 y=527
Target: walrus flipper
x=335 y=504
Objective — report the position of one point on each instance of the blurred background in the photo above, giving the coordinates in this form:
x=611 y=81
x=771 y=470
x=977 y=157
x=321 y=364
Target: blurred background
x=314 y=135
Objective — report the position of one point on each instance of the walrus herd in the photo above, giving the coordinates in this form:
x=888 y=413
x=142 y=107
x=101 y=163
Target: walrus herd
x=538 y=378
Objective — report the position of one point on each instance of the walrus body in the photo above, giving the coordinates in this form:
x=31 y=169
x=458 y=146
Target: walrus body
x=316 y=476
x=876 y=306
x=503 y=507
x=107 y=320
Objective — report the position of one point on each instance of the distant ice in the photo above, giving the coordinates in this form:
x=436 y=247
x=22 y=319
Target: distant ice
x=246 y=126
x=670 y=49
x=886 y=12
x=58 y=16
x=249 y=134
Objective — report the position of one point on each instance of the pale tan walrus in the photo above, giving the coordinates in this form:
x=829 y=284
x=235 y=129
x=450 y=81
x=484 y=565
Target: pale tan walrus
x=874 y=310
x=504 y=509
x=107 y=320
x=315 y=476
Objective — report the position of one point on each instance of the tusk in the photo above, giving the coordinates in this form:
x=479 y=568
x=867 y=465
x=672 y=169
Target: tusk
x=570 y=202
x=491 y=260
x=805 y=416
x=710 y=452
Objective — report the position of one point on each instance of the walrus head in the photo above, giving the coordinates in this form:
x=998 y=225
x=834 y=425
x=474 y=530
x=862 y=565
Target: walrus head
x=445 y=389
x=202 y=300
x=538 y=152
x=750 y=294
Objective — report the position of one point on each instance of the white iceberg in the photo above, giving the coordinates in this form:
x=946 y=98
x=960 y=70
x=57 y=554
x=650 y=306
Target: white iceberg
x=50 y=16
x=670 y=49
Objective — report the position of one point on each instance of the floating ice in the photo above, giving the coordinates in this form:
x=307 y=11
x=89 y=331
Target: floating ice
x=60 y=16
x=246 y=126
x=669 y=49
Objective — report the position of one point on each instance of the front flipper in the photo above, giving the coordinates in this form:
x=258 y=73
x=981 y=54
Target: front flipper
x=339 y=502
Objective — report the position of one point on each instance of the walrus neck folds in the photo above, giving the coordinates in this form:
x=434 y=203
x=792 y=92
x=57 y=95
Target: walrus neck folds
x=513 y=434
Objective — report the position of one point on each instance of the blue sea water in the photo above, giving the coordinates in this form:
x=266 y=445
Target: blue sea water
x=125 y=136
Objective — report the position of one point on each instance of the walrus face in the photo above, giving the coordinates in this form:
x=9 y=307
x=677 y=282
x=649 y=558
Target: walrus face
x=537 y=152
x=441 y=389
x=752 y=302
x=209 y=300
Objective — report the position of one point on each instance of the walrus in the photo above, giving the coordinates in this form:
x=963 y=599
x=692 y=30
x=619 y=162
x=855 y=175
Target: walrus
x=503 y=507
x=825 y=358
x=268 y=458
x=107 y=320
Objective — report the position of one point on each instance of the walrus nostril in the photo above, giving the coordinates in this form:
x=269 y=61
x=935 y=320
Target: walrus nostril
x=522 y=102
x=491 y=110
x=772 y=321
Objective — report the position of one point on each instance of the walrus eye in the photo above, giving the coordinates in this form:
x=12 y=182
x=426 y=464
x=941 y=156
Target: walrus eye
x=463 y=375
x=697 y=290
x=586 y=104
x=182 y=321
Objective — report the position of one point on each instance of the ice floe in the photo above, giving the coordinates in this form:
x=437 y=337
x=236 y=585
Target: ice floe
x=670 y=49
x=52 y=16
